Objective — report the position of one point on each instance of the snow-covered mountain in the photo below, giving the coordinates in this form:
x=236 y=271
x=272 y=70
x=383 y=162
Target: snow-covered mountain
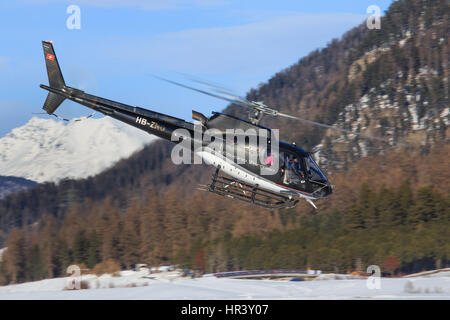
x=49 y=150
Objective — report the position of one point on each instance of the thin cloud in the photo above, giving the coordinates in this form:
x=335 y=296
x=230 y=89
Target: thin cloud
x=254 y=48
x=151 y=5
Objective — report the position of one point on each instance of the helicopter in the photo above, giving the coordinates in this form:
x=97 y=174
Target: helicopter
x=291 y=173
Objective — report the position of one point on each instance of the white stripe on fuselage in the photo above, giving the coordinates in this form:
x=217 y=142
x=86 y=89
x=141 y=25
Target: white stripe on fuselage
x=236 y=171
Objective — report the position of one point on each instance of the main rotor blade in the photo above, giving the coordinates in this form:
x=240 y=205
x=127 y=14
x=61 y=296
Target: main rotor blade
x=232 y=99
x=217 y=88
x=212 y=85
x=331 y=127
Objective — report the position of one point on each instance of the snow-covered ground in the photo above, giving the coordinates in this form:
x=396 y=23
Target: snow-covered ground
x=170 y=285
x=49 y=150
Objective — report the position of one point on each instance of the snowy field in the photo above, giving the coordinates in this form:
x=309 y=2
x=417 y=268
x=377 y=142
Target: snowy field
x=132 y=285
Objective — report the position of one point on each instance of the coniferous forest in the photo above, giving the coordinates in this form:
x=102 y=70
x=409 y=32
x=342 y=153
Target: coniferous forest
x=390 y=207
x=400 y=225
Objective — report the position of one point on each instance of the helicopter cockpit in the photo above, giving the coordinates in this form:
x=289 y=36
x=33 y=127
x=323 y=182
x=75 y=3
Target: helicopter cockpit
x=300 y=171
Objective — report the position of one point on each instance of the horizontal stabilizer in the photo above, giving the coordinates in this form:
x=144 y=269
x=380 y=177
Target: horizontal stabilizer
x=52 y=102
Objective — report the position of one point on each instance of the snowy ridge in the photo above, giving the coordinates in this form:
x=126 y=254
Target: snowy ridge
x=13 y=184
x=48 y=150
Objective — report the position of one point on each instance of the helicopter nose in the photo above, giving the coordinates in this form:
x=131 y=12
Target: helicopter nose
x=330 y=188
x=327 y=190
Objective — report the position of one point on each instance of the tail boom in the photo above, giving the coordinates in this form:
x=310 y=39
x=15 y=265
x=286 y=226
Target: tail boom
x=152 y=122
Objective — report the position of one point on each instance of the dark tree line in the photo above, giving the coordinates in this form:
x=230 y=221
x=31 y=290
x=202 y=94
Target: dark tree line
x=389 y=226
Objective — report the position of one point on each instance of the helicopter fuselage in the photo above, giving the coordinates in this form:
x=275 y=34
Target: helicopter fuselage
x=305 y=180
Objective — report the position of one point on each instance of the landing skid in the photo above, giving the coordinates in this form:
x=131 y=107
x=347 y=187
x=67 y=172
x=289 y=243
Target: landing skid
x=239 y=190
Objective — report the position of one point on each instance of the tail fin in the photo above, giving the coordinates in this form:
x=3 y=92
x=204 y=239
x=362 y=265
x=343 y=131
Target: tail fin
x=55 y=78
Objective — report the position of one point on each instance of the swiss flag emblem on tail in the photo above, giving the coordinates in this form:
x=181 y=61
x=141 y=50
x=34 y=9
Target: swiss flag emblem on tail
x=50 y=57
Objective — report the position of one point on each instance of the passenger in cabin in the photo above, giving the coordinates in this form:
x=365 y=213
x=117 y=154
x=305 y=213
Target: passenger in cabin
x=293 y=173
x=269 y=160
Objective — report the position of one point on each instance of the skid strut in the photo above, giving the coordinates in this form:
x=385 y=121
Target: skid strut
x=236 y=189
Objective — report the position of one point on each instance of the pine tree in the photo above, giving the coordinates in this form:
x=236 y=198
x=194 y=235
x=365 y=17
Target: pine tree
x=401 y=204
x=81 y=248
x=368 y=207
x=109 y=231
x=425 y=208
x=35 y=267
x=93 y=254
x=48 y=246
x=146 y=245
x=15 y=257
x=129 y=240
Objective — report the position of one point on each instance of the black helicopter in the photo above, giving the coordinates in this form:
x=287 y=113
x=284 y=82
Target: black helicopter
x=295 y=176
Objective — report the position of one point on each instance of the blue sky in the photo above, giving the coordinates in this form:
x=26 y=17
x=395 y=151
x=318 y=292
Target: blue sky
x=121 y=43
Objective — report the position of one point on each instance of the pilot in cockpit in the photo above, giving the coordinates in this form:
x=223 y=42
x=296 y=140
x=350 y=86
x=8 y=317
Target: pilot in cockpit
x=294 y=172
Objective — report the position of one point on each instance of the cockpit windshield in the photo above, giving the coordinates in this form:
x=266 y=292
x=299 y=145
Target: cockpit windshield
x=299 y=168
x=313 y=171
